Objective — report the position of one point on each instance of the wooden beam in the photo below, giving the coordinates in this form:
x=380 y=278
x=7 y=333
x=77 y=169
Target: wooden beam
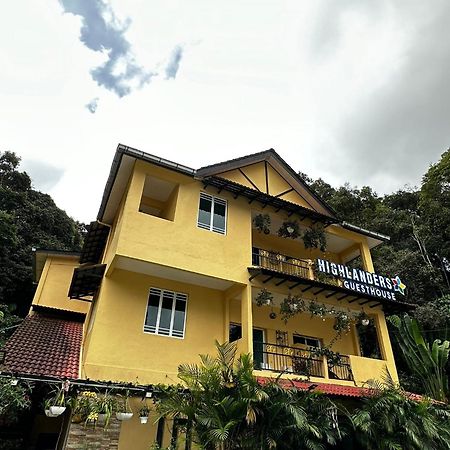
x=281 y=282
x=295 y=285
x=267 y=279
x=250 y=181
x=307 y=288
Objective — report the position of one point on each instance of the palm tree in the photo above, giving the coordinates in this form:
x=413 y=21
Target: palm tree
x=229 y=409
x=390 y=419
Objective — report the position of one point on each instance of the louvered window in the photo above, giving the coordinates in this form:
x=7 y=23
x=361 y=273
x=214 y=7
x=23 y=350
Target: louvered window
x=166 y=313
x=212 y=213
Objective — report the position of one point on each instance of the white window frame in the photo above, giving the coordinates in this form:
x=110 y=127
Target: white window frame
x=305 y=337
x=213 y=200
x=176 y=296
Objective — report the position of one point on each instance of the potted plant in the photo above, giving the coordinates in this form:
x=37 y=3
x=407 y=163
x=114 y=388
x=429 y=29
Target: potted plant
x=363 y=319
x=315 y=237
x=144 y=412
x=264 y=298
x=289 y=229
x=48 y=413
x=124 y=411
x=262 y=223
x=57 y=403
x=105 y=408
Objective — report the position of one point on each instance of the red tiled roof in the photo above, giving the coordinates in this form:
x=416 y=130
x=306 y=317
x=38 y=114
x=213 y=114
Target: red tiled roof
x=326 y=388
x=45 y=345
x=333 y=389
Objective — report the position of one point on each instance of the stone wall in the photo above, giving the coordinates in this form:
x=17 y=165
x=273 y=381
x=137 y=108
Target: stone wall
x=81 y=437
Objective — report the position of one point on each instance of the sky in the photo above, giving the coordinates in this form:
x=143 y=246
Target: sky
x=348 y=90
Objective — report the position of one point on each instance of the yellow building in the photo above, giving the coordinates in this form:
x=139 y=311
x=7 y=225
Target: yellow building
x=179 y=258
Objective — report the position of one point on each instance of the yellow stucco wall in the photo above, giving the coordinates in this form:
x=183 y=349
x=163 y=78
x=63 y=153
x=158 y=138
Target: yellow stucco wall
x=180 y=243
x=118 y=348
x=54 y=285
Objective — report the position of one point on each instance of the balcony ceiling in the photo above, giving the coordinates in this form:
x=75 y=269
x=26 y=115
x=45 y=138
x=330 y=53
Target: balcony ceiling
x=170 y=273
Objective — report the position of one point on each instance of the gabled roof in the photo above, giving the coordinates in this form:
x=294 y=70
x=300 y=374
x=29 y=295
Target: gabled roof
x=279 y=164
x=45 y=344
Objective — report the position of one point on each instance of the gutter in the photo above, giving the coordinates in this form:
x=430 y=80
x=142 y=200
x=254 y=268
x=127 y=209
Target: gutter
x=372 y=234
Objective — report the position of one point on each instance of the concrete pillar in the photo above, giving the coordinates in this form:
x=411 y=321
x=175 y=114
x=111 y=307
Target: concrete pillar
x=385 y=344
x=247 y=320
x=366 y=258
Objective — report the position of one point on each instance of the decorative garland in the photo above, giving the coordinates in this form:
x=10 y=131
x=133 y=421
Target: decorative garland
x=294 y=304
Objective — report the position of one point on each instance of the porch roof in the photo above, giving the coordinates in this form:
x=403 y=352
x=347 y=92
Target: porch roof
x=329 y=290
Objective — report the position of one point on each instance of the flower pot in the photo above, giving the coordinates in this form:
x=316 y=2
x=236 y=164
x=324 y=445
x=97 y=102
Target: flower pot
x=124 y=415
x=143 y=419
x=57 y=410
x=101 y=419
x=365 y=322
x=49 y=414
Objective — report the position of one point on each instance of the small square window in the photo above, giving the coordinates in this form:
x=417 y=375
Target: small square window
x=212 y=213
x=166 y=313
x=306 y=341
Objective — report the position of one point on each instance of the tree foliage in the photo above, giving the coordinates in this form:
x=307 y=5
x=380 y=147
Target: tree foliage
x=389 y=419
x=229 y=409
x=28 y=219
x=427 y=362
x=417 y=220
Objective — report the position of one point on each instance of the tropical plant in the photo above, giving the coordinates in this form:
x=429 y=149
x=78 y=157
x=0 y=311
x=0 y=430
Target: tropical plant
x=229 y=409
x=264 y=298
x=14 y=398
x=427 y=362
x=289 y=229
x=262 y=223
x=315 y=237
x=390 y=419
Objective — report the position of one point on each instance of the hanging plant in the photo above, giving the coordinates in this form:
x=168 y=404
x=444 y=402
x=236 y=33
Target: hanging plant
x=264 y=298
x=315 y=237
x=363 y=318
x=289 y=229
x=262 y=223
x=144 y=412
x=291 y=306
x=342 y=322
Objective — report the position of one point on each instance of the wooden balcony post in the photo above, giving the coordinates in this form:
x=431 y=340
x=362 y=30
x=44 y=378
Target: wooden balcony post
x=247 y=320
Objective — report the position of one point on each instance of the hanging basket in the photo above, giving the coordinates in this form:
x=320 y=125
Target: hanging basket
x=124 y=415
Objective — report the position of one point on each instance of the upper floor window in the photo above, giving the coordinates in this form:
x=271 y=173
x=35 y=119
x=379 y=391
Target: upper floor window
x=166 y=313
x=212 y=213
x=306 y=341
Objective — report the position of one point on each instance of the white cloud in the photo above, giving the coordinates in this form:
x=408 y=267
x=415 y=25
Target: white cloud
x=329 y=91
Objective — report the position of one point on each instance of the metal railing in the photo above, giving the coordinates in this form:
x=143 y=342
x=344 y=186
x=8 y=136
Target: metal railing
x=282 y=263
x=341 y=370
x=298 y=361
x=289 y=265
x=281 y=358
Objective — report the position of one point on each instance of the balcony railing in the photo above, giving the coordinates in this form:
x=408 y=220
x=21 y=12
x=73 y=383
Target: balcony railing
x=289 y=265
x=282 y=263
x=282 y=358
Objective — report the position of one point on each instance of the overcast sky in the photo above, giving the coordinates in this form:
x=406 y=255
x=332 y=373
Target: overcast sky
x=347 y=90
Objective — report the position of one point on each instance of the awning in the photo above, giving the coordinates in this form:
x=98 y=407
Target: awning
x=94 y=243
x=86 y=280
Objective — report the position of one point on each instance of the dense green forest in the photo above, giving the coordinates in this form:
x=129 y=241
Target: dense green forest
x=28 y=219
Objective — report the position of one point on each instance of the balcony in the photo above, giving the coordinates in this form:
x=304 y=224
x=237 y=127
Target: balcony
x=269 y=265
x=297 y=361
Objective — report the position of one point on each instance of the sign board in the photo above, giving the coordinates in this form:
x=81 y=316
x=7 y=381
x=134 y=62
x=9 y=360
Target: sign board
x=359 y=280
